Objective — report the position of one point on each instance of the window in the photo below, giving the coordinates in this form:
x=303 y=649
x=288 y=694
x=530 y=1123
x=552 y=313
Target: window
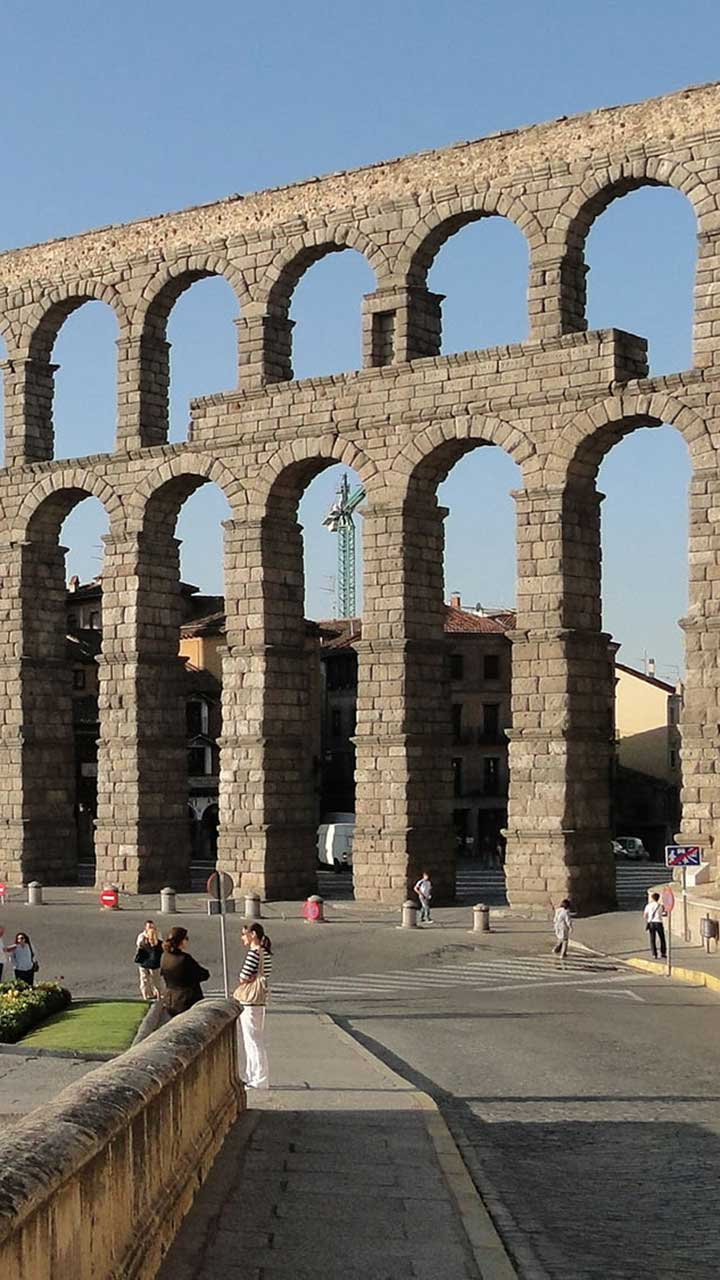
x=491 y=719
x=456 y=666
x=491 y=775
x=199 y=762
x=196 y=717
x=457 y=721
x=72 y=622
x=491 y=666
x=336 y=723
x=457 y=777
x=95 y=620
x=78 y=678
x=341 y=671
x=673 y=759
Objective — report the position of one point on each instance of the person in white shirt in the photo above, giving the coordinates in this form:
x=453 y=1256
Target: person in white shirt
x=423 y=889
x=653 y=916
x=24 y=959
x=562 y=925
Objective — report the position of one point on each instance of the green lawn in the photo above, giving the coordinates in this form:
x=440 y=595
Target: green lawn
x=103 y=1027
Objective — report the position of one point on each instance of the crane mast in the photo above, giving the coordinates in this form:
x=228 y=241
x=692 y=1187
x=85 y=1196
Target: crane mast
x=339 y=520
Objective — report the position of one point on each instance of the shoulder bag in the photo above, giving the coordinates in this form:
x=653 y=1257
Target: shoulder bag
x=255 y=990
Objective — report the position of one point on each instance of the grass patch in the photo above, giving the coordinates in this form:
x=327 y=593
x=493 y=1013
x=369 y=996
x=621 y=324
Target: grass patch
x=102 y=1027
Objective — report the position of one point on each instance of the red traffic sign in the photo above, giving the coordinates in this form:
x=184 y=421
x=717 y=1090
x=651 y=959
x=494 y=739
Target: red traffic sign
x=109 y=899
x=220 y=885
x=667 y=897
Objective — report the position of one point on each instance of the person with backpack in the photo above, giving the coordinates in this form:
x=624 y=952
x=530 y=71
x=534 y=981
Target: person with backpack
x=653 y=915
x=252 y=993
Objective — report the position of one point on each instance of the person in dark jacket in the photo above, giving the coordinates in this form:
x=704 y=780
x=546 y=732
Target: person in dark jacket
x=181 y=974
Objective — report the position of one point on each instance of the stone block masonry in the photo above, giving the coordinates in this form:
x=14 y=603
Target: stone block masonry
x=556 y=403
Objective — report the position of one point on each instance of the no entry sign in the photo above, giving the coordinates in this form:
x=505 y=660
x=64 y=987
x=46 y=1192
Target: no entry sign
x=109 y=899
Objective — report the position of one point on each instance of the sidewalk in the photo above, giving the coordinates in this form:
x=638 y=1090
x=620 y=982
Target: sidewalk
x=340 y=1170
x=621 y=934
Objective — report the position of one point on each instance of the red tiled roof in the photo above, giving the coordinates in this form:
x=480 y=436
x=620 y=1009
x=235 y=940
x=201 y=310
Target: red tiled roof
x=459 y=621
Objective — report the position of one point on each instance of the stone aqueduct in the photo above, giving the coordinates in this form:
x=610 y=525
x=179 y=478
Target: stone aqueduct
x=556 y=404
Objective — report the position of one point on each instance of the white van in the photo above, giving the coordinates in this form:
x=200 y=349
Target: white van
x=335 y=841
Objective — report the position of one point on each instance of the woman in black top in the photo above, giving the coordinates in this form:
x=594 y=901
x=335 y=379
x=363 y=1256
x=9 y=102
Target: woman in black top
x=181 y=974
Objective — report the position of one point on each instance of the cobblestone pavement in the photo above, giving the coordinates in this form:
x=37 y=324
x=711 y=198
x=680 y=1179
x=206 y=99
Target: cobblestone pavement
x=589 y=1120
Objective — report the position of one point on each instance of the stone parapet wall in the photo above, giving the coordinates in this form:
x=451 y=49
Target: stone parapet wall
x=96 y=1183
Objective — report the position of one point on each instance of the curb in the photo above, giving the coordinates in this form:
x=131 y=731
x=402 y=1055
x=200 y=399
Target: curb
x=489 y=1252
x=696 y=977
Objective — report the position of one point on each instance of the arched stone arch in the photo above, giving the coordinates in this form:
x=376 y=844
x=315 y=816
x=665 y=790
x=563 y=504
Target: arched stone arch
x=447 y=217
x=150 y=315
x=162 y=493
x=40 y=328
x=581 y=445
x=586 y=202
x=287 y=472
x=426 y=460
x=52 y=499
x=276 y=288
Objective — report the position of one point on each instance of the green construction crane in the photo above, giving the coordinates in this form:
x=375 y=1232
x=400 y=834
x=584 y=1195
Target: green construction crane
x=339 y=520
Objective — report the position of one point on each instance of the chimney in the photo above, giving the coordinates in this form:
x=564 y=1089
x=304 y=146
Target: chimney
x=456 y=600
x=651 y=666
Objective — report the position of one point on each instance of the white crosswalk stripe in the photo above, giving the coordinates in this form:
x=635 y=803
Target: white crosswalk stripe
x=489 y=974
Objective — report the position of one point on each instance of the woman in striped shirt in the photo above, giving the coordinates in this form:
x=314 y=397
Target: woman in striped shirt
x=258 y=963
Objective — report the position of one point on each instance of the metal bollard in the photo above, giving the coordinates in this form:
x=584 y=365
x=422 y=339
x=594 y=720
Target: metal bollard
x=35 y=898
x=313 y=910
x=409 y=915
x=252 y=906
x=481 y=918
x=167 y=902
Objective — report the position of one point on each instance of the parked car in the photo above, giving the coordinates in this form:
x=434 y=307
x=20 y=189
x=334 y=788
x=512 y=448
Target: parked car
x=630 y=847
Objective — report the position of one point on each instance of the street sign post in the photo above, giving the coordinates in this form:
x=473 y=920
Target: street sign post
x=667 y=897
x=683 y=856
x=220 y=887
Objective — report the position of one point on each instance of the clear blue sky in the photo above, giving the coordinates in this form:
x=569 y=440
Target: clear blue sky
x=116 y=111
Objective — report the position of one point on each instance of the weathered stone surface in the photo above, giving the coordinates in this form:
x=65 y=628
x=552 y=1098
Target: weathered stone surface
x=556 y=403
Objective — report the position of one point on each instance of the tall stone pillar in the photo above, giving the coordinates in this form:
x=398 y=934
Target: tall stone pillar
x=403 y=766
x=29 y=387
x=399 y=324
x=706 y=349
x=268 y=805
x=264 y=346
x=37 y=762
x=561 y=744
x=557 y=291
x=142 y=836
x=143 y=391
x=700 y=717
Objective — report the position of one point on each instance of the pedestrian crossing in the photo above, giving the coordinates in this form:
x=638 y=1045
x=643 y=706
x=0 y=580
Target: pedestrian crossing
x=502 y=973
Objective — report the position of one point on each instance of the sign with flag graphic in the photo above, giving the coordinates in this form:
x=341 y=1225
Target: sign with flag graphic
x=683 y=855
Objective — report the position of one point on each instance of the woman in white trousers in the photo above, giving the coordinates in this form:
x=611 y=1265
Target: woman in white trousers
x=254 y=985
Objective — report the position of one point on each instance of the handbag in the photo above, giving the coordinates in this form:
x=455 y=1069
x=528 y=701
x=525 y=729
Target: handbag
x=255 y=991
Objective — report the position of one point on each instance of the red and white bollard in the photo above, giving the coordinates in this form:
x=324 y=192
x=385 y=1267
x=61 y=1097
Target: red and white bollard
x=313 y=910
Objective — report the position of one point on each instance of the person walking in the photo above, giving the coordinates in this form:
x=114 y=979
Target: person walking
x=252 y=993
x=148 y=953
x=562 y=924
x=24 y=960
x=653 y=915
x=423 y=890
x=181 y=974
